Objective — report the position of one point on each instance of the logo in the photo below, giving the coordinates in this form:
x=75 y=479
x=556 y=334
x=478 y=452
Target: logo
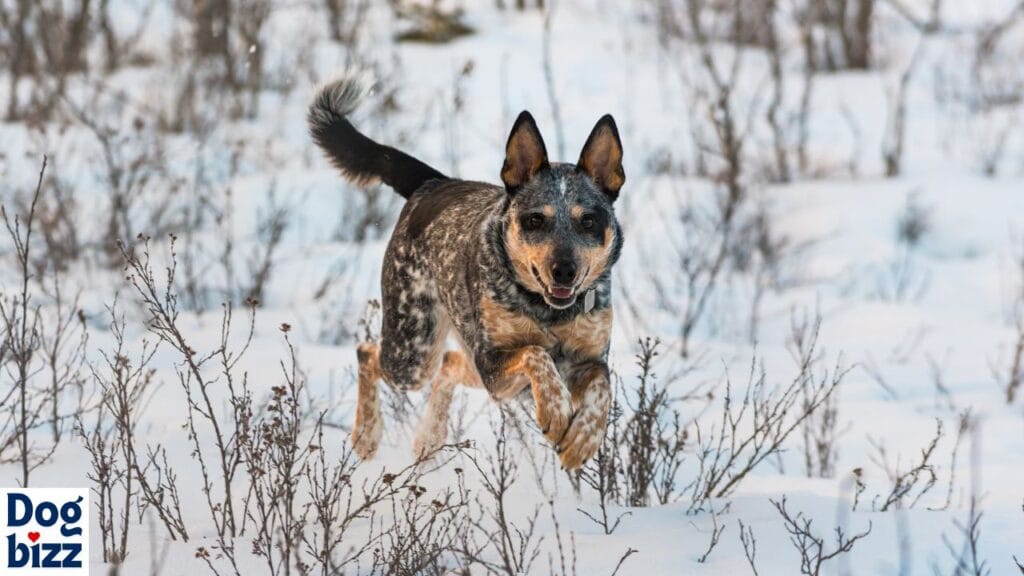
x=45 y=531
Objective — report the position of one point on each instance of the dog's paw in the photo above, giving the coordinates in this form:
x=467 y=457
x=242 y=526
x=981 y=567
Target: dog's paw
x=586 y=431
x=424 y=447
x=366 y=435
x=554 y=411
x=430 y=436
x=580 y=443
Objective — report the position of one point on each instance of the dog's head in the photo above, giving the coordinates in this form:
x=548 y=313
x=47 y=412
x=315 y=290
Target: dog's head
x=561 y=234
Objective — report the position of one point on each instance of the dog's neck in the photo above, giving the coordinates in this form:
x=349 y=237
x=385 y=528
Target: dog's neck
x=500 y=279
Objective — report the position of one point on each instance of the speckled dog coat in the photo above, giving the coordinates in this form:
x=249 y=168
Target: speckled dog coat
x=520 y=274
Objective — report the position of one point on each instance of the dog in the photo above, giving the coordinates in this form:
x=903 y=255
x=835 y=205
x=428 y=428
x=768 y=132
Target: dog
x=520 y=274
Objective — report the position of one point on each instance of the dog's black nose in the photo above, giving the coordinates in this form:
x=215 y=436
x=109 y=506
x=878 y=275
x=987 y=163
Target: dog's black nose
x=563 y=272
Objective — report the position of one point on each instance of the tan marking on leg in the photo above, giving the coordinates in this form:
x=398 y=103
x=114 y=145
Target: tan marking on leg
x=368 y=426
x=433 y=429
x=591 y=400
x=533 y=365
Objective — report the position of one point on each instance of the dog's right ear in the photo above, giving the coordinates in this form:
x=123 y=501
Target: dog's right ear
x=525 y=154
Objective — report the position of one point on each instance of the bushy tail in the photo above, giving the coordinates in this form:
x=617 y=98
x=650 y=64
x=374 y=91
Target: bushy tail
x=360 y=159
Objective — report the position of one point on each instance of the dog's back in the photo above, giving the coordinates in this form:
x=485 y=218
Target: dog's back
x=429 y=272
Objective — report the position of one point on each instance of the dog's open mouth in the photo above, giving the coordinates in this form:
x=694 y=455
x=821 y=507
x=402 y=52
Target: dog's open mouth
x=556 y=296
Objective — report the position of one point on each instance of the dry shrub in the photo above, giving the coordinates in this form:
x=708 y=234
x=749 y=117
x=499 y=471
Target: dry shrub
x=814 y=552
x=755 y=425
x=42 y=350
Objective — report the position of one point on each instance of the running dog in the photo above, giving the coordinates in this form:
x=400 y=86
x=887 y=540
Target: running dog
x=520 y=274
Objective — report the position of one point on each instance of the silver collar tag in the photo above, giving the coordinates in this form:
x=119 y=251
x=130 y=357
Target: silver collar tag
x=588 y=301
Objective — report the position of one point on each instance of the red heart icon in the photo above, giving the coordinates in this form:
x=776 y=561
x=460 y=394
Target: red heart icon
x=33 y=536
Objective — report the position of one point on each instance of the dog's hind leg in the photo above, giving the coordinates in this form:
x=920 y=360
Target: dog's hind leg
x=407 y=358
x=433 y=428
x=375 y=364
x=414 y=330
x=368 y=427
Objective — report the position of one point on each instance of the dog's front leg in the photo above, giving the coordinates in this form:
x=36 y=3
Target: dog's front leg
x=532 y=366
x=591 y=397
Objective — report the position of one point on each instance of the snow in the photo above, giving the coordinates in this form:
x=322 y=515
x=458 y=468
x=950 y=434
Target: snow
x=606 y=58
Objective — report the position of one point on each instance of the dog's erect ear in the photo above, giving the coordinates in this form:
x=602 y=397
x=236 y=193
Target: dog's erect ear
x=601 y=158
x=525 y=154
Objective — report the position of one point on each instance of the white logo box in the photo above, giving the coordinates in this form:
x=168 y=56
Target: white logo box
x=45 y=531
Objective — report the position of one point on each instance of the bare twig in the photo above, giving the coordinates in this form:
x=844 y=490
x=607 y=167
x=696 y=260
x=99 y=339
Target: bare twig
x=812 y=548
x=716 y=534
x=749 y=542
x=920 y=477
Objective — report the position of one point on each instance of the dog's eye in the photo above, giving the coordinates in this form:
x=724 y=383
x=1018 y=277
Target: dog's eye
x=587 y=222
x=533 y=222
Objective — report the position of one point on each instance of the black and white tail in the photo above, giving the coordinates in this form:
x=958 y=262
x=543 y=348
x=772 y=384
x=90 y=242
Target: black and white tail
x=360 y=159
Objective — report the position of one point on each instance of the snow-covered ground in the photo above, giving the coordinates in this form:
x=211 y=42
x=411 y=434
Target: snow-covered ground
x=925 y=330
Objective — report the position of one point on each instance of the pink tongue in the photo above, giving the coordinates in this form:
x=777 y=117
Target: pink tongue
x=561 y=293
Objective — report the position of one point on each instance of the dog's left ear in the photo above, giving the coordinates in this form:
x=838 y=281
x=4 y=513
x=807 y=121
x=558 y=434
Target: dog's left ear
x=601 y=158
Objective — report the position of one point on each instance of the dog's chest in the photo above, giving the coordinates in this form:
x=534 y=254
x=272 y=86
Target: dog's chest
x=584 y=337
